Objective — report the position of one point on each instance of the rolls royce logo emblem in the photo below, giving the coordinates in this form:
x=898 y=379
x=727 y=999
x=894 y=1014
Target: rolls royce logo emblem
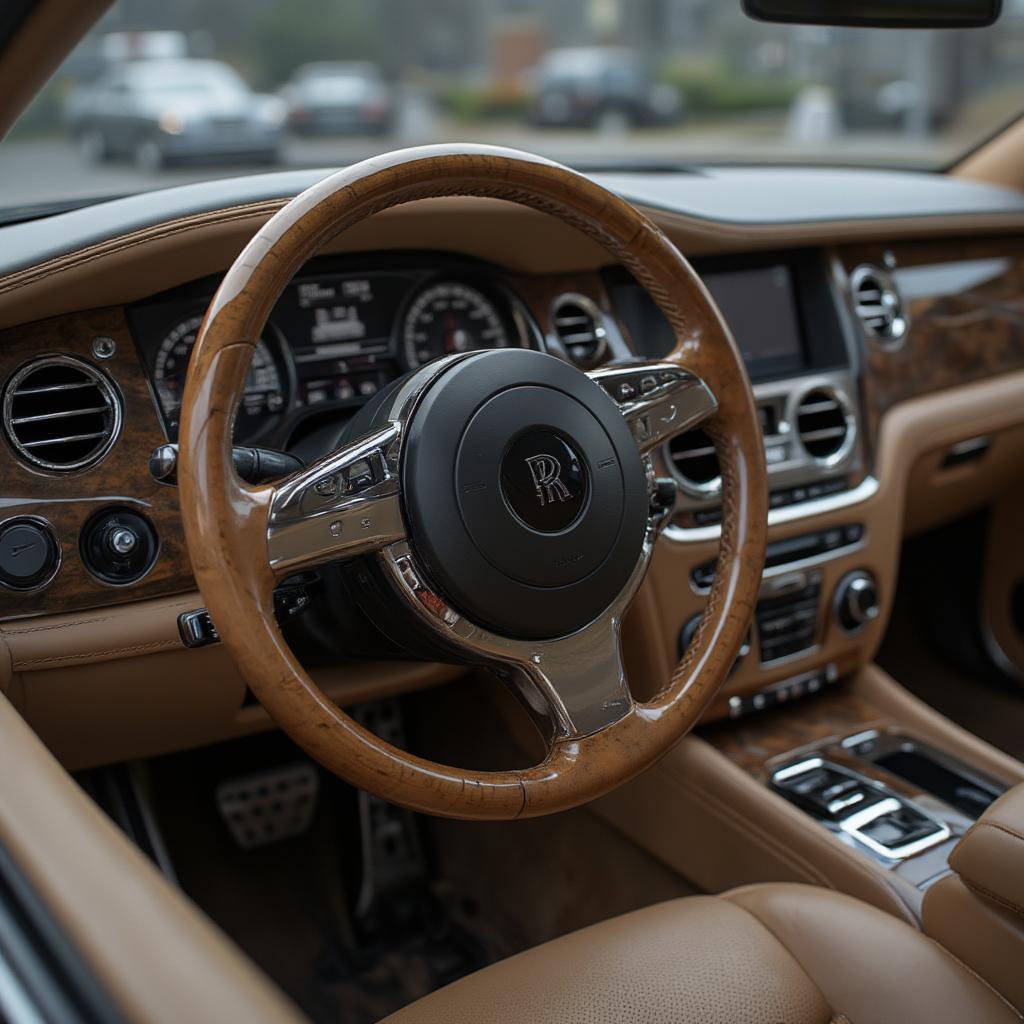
x=546 y=471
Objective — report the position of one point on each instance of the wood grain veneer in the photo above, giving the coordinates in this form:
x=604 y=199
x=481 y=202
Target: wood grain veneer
x=965 y=298
x=122 y=478
x=752 y=742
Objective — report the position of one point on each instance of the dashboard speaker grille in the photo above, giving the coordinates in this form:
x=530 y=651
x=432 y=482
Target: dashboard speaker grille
x=696 y=463
x=61 y=414
x=822 y=423
x=579 y=326
x=878 y=304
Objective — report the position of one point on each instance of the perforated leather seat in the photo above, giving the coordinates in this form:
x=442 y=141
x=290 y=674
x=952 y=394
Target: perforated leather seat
x=765 y=954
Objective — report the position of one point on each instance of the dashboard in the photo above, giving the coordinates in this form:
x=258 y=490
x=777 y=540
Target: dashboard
x=338 y=335
x=872 y=359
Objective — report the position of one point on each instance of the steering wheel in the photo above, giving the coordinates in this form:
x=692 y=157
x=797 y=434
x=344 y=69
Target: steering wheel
x=501 y=504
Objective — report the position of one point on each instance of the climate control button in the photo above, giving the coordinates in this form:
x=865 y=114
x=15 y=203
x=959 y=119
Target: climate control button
x=856 y=600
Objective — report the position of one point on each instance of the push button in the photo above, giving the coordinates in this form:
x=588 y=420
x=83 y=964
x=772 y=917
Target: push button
x=28 y=554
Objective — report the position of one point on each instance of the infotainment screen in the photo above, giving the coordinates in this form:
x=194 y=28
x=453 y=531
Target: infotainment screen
x=758 y=303
x=760 y=307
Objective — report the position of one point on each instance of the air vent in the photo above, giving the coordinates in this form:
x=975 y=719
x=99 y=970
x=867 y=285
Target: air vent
x=61 y=414
x=823 y=426
x=696 y=463
x=878 y=305
x=579 y=325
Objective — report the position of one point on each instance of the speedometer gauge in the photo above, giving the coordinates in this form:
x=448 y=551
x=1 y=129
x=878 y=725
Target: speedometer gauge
x=263 y=398
x=450 y=317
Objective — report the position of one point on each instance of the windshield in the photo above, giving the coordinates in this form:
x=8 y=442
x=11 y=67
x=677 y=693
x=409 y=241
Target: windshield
x=167 y=91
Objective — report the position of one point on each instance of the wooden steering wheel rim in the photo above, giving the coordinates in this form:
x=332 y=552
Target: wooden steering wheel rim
x=226 y=520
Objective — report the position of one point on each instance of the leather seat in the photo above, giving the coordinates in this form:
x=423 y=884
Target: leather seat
x=764 y=954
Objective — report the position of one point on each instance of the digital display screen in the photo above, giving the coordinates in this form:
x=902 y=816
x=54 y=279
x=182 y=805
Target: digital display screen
x=337 y=317
x=759 y=305
x=339 y=329
x=760 y=308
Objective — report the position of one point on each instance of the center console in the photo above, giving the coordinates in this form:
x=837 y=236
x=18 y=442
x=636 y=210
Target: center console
x=888 y=795
x=860 y=787
x=823 y=589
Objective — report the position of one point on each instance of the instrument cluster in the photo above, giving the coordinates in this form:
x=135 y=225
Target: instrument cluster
x=333 y=340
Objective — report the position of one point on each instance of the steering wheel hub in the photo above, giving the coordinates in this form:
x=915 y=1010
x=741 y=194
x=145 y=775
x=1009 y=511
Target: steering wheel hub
x=544 y=480
x=525 y=493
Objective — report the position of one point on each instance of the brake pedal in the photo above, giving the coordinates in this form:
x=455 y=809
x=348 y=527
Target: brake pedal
x=271 y=806
x=392 y=857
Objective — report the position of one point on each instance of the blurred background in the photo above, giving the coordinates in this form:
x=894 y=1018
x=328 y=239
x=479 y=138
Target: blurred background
x=166 y=91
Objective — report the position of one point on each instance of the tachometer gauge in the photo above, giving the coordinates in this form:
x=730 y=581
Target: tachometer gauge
x=263 y=398
x=450 y=317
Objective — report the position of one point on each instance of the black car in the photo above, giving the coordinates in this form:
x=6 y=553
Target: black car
x=606 y=88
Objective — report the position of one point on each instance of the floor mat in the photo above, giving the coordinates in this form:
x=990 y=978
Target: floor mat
x=489 y=889
x=287 y=905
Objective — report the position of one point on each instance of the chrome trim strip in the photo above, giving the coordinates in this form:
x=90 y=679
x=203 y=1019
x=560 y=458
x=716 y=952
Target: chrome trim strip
x=868 y=488
x=16 y=1004
x=800 y=768
x=799 y=565
x=853 y=824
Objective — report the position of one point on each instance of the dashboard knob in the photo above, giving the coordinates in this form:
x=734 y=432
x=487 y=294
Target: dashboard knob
x=122 y=541
x=29 y=555
x=118 y=545
x=856 y=601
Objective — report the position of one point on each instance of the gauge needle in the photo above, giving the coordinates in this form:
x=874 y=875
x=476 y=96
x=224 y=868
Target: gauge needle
x=450 y=333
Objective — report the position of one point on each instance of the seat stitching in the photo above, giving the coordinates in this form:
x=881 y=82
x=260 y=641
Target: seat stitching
x=157 y=645
x=746 y=910
x=970 y=970
x=1000 y=827
x=121 y=243
x=942 y=949
x=995 y=897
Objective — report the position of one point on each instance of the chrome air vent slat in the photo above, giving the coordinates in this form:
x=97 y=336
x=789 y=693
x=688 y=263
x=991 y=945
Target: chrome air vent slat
x=61 y=414
x=579 y=326
x=695 y=463
x=67 y=439
x=57 y=415
x=824 y=425
x=878 y=305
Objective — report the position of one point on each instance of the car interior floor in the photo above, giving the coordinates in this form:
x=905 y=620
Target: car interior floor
x=371 y=907
x=933 y=644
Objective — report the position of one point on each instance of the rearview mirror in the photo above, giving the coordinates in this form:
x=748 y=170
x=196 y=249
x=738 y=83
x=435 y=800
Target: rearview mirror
x=878 y=13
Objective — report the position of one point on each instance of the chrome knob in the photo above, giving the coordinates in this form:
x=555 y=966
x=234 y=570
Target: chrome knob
x=856 y=601
x=122 y=541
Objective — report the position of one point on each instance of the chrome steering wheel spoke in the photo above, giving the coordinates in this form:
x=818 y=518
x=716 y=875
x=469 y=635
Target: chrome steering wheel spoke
x=344 y=505
x=658 y=400
x=576 y=685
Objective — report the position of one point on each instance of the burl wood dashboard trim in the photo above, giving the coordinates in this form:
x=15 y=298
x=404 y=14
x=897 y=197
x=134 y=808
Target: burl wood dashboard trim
x=121 y=479
x=960 y=331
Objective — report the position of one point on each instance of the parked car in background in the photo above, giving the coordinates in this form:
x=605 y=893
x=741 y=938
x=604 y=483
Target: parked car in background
x=339 y=98
x=158 y=111
x=607 y=88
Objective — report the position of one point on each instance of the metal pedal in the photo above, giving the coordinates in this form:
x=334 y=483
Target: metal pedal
x=270 y=806
x=391 y=852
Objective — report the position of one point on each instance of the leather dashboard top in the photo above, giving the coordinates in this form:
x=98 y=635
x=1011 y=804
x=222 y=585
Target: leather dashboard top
x=757 y=197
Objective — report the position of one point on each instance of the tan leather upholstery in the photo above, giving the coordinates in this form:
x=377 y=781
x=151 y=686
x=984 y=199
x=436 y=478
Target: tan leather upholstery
x=990 y=857
x=758 y=955
x=978 y=915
